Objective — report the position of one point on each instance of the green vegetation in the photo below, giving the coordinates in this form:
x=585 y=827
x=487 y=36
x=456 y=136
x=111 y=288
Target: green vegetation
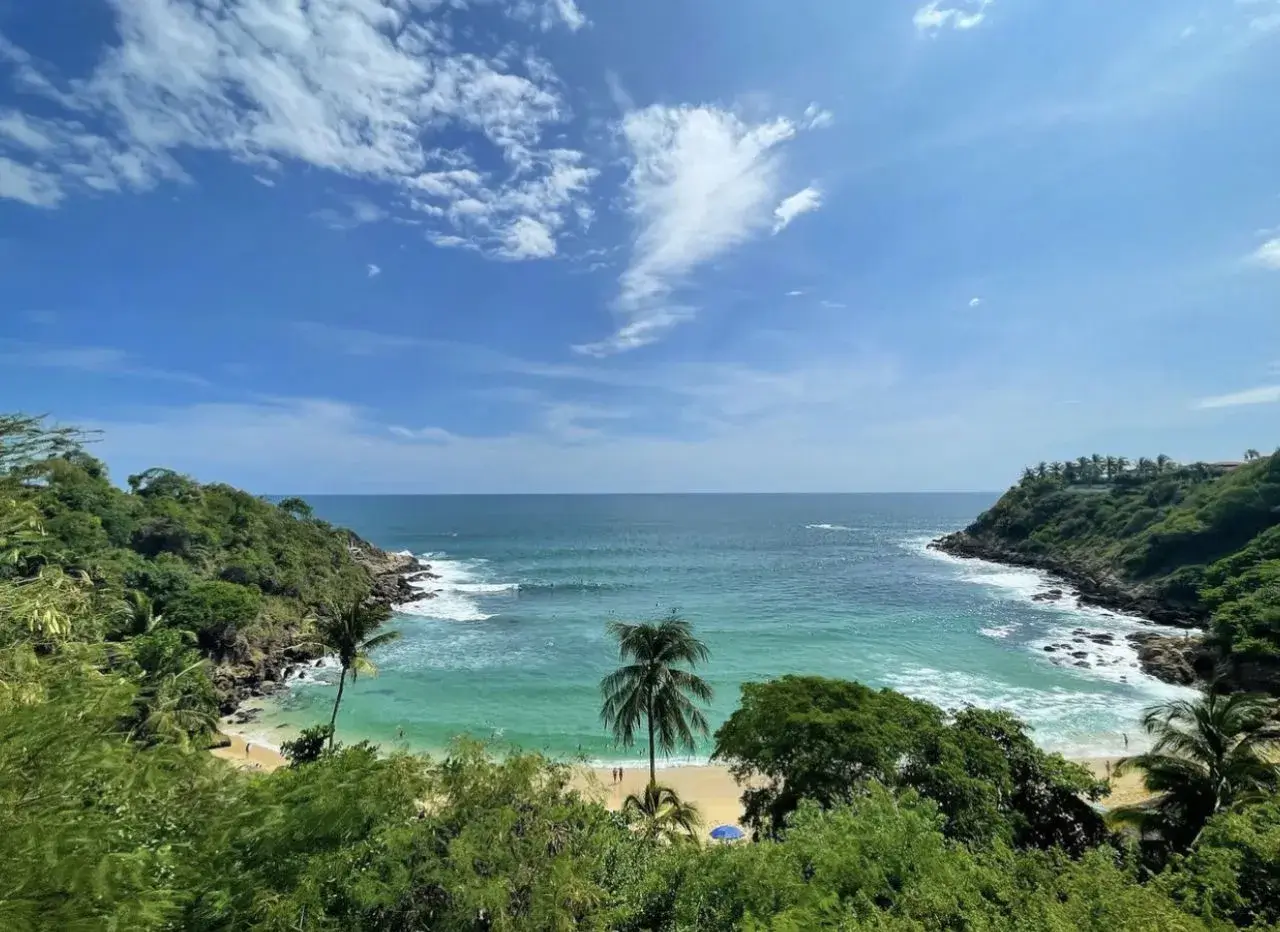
x=350 y=633
x=808 y=738
x=1207 y=756
x=1200 y=541
x=872 y=810
x=651 y=688
x=195 y=590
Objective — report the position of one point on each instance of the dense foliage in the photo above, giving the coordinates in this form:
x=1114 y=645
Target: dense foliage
x=875 y=811
x=809 y=738
x=101 y=833
x=1200 y=537
x=170 y=572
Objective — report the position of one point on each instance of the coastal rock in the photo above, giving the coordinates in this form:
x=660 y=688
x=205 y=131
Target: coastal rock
x=1179 y=660
x=1079 y=654
x=389 y=572
x=1082 y=663
x=1050 y=648
x=1051 y=595
x=1093 y=587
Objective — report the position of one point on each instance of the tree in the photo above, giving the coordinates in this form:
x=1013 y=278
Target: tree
x=1250 y=455
x=651 y=687
x=1042 y=469
x=825 y=740
x=1209 y=753
x=350 y=633
x=659 y=814
x=1163 y=462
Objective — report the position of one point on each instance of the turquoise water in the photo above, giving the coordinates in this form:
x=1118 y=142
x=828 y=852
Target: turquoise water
x=513 y=647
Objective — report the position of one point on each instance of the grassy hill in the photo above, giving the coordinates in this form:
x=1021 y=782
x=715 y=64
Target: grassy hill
x=1190 y=544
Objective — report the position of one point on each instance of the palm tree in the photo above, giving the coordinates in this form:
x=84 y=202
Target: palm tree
x=1055 y=469
x=1208 y=754
x=1028 y=474
x=141 y=613
x=350 y=634
x=650 y=687
x=1252 y=454
x=1162 y=462
x=1122 y=464
x=1042 y=469
x=1095 y=467
x=661 y=815
x=1109 y=467
x=1145 y=466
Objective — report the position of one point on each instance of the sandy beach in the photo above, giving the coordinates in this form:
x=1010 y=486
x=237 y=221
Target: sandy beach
x=711 y=787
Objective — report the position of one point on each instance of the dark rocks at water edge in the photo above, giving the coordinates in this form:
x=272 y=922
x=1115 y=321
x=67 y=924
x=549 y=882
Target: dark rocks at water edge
x=392 y=573
x=1052 y=595
x=1183 y=661
x=1093 y=588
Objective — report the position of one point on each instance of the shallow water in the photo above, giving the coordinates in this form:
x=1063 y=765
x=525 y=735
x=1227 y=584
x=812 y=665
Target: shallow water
x=513 y=646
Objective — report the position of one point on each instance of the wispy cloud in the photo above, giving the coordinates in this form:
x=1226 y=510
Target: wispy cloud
x=373 y=271
x=354 y=213
x=975 y=302
x=1268 y=254
x=958 y=14
x=801 y=202
x=1265 y=394
x=354 y=87
x=95 y=360
x=795 y=293
x=702 y=181
x=422 y=434
x=351 y=341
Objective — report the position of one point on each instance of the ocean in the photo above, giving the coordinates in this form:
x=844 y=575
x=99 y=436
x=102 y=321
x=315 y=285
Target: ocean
x=513 y=647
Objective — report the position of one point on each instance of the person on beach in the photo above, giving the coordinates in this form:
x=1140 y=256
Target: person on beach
x=1126 y=743
x=247 y=748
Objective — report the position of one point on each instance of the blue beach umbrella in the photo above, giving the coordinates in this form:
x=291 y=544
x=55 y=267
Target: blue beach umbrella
x=726 y=833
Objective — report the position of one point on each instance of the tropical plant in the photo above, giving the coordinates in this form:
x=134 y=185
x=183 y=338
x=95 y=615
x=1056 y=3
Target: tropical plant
x=350 y=633
x=1208 y=754
x=659 y=814
x=652 y=688
x=1251 y=454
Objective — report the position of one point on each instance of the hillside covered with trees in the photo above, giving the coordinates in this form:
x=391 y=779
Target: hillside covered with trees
x=1196 y=545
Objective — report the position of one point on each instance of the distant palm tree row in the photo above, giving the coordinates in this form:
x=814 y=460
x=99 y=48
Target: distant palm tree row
x=1098 y=469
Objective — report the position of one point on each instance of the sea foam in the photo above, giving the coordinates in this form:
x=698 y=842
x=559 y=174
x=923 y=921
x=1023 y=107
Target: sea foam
x=457 y=584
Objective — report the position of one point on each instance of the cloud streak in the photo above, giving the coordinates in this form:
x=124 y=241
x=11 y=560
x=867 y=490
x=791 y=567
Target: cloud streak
x=801 y=202
x=702 y=182
x=963 y=15
x=1265 y=394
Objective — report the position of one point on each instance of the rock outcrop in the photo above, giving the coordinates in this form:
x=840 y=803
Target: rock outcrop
x=391 y=573
x=1092 y=587
x=1183 y=661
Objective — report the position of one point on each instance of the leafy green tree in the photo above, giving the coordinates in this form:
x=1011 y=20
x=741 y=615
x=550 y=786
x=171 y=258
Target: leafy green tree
x=659 y=814
x=350 y=633
x=1251 y=455
x=1233 y=872
x=217 y=612
x=819 y=739
x=653 y=688
x=1208 y=754
x=308 y=747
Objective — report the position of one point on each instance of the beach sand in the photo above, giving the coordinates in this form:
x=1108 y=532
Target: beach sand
x=713 y=789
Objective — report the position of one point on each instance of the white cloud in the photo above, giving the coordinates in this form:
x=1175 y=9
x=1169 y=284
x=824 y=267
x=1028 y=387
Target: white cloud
x=28 y=185
x=528 y=239
x=547 y=14
x=801 y=202
x=360 y=88
x=816 y=118
x=702 y=181
x=93 y=360
x=974 y=302
x=264 y=181
x=795 y=294
x=1268 y=254
x=422 y=434
x=833 y=305
x=965 y=14
x=1266 y=394
x=356 y=212
x=372 y=270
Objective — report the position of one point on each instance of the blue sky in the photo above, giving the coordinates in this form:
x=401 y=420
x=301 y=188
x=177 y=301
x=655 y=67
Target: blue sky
x=575 y=245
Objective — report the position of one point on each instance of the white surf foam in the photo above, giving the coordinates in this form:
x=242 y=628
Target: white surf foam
x=455 y=587
x=827 y=527
x=1063 y=720
x=999 y=633
x=1116 y=662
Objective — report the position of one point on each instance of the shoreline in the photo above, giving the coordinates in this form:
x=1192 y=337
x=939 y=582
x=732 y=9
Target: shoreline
x=710 y=786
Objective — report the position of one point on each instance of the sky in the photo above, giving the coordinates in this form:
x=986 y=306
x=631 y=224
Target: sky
x=379 y=246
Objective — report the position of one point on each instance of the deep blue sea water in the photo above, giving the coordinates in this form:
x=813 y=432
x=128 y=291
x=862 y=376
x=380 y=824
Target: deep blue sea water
x=513 y=646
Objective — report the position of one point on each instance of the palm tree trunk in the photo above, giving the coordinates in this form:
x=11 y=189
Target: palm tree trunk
x=333 y=719
x=653 y=766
